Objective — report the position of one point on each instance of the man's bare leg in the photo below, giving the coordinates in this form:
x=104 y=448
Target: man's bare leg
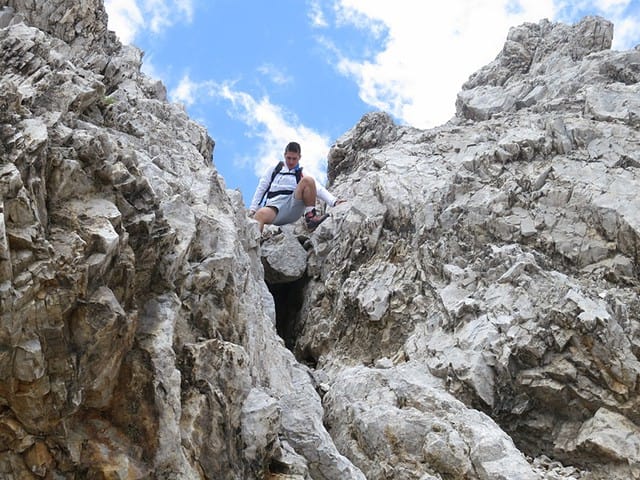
x=306 y=191
x=265 y=216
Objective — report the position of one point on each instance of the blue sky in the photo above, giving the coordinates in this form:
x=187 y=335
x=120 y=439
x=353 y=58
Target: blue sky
x=258 y=74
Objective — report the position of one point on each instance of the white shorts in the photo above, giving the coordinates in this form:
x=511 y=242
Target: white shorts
x=289 y=208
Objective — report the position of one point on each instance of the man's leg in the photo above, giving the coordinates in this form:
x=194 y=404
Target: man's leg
x=265 y=215
x=306 y=191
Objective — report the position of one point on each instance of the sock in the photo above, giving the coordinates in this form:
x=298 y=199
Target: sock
x=308 y=209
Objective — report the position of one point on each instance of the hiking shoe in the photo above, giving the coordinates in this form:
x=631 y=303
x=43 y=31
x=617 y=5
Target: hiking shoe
x=312 y=219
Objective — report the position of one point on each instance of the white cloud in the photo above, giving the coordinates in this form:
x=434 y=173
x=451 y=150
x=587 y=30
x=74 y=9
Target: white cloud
x=129 y=17
x=125 y=18
x=625 y=33
x=185 y=92
x=371 y=18
x=164 y=13
x=275 y=74
x=273 y=125
x=276 y=127
x=430 y=50
x=316 y=15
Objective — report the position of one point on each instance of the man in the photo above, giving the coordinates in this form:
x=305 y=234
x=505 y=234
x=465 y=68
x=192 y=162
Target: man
x=290 y=194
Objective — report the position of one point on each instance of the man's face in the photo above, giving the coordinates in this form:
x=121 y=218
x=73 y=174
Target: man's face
x=291 y=159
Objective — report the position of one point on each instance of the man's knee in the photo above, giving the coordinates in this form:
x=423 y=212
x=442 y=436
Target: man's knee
x=306 y=181
x=265 y=215
x=307 y=184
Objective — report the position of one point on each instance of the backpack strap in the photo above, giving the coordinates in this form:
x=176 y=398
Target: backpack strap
x=276 y=170
x=297 y=172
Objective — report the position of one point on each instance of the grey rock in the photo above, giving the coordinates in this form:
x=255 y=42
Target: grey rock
x=470 y=312
x=612 y=434
x=284 y=259
x=497 y=255
x=402 y=420
x=137 y=332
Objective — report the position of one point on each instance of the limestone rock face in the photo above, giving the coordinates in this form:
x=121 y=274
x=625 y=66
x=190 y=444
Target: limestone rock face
x=137 y=335
x=471 y=312
x=493 y=259
x=82 y=25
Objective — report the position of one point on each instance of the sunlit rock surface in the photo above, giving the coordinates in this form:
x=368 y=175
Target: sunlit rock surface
x=470 y=313
x=138 y=336
x=498 y=254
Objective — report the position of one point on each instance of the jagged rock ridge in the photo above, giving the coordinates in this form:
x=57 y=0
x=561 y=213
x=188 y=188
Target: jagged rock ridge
x=481 y=306
x=137 y=335
x=497 y=254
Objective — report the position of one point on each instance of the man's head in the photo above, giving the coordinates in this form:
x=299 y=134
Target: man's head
x=292 y=154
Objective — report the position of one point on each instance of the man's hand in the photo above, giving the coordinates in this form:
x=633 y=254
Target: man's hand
x=339 y=201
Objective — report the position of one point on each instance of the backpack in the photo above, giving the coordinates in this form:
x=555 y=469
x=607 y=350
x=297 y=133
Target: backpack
x=297 y=172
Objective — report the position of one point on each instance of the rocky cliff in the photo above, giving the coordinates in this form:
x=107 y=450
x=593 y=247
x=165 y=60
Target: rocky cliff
x=470 y=313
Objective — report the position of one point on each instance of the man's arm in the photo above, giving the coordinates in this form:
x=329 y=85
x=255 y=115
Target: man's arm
x=261 y=189
x=325 y=195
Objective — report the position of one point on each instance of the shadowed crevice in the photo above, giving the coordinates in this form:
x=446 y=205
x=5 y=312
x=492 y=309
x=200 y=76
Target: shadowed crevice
x=288 y=299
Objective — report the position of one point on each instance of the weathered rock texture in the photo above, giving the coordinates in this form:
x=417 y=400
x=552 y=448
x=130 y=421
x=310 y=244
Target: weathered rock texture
x=470 y=313
x=137 y=336
x=494 y=258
